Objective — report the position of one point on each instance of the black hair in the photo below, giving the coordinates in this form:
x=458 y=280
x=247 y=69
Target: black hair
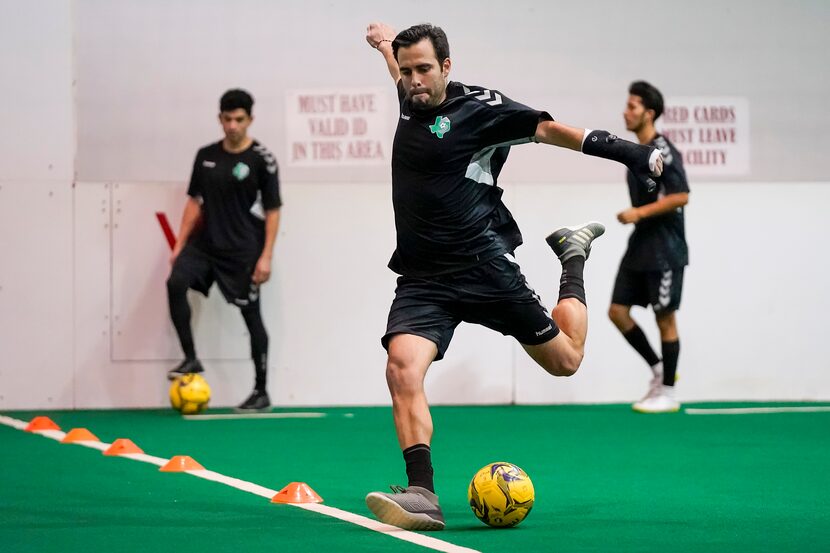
x=652 y=99
x=236 y=98
x=417 y=33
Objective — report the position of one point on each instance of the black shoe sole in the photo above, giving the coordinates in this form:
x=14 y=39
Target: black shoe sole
x=241 y=410
x=174 y=376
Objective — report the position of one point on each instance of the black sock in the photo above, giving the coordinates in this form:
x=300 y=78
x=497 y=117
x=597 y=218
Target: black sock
x=259 y=345
x=180 y=313
x=637 y=338
x=418 y=460
x=671 y=351
x=571 y=284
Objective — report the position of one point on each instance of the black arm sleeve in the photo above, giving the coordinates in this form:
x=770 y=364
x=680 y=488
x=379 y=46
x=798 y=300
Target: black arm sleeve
x=634 y=156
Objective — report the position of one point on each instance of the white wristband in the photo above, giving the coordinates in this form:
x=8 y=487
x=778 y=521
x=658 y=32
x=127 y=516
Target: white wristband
x=585 y=136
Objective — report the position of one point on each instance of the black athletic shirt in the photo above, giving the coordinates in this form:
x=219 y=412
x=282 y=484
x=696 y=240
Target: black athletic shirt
x=235 y=191
x=445 y=166
x=659 y=243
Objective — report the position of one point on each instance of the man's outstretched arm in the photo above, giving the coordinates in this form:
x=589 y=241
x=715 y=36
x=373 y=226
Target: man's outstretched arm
x=643 y=160
x=559 y=134
x=380 y=37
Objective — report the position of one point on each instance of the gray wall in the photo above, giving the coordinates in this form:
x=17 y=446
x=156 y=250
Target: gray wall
x=152 y=69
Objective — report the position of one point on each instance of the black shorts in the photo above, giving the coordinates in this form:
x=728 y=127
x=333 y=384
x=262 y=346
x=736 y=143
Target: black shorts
x=200 y=270
x=660 y=289
x=494 y=294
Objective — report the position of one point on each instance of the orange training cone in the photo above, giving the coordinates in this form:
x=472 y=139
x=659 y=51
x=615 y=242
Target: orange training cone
x=79 y=435
x=41 y=423
x=297 y=492
x=181 y=463
x=122 y=446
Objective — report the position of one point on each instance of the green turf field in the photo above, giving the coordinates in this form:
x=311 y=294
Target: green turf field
x=606 y=479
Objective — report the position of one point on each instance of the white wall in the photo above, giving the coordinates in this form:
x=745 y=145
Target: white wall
x=83 y=319
x=37 y=150
x=753 y=302
x=150 y=72
x=750 y=322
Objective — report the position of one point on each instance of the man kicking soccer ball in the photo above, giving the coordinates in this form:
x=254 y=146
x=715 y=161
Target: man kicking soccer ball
x=455 y=242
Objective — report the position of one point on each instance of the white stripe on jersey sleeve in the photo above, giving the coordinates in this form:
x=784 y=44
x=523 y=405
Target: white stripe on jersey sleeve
x=270 y=160
x=479 y=168
x=257 y=209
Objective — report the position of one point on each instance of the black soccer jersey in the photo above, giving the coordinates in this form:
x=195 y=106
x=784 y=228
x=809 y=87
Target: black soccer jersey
x=445 y=166
x=235 y=190
x=659 y=243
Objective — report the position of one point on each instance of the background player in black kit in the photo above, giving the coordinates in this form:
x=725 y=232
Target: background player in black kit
x=455 y=240
x=651 y=271
x=227 y=235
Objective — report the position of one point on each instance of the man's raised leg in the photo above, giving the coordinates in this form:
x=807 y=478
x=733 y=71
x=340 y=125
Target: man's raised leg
x=177 y=285
x=562 y=355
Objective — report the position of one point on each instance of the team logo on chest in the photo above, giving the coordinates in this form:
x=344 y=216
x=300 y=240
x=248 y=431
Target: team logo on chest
x=240 y=171
x=441 y=126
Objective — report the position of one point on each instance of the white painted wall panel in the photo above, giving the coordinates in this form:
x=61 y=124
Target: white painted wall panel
x=100 y=380
x=750 y=323
x=36 y=99
x=36 y=331
x=335 y=292
x=326 y=306
x=136 y=378
x=140 y=266
x=149 y=75
x=97 y=383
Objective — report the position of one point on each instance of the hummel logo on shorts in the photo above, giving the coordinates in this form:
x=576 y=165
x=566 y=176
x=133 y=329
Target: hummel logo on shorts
x=546 y=329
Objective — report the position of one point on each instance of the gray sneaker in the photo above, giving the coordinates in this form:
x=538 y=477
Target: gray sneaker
x=569 y=242
x=412 y=508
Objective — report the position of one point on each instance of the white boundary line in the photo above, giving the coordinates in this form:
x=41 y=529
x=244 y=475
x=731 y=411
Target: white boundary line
x=14 y=423
x=757 y=410
x=250 y=487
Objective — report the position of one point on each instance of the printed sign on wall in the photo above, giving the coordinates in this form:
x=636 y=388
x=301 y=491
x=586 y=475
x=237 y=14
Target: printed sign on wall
x=712 y=133
x=334 y=127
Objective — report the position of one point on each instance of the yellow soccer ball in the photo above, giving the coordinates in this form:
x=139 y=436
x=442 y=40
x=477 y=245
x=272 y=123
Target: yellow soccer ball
x=501 y=495
x=189 y=394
